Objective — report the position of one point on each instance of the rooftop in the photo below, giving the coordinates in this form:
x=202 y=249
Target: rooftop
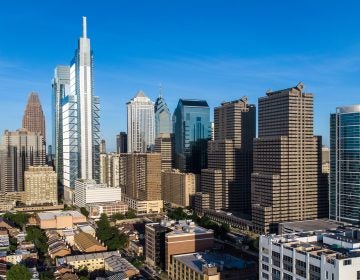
x=194 y=102
x=83 y=257
x=85 y=241
x=310 y=225
x=119 y=264
x=53 y=215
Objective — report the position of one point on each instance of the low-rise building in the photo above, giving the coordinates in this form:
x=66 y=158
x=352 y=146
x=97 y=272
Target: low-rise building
x=144 y=206
x=136 y=248
x=87 y=229
x=86 y=243
x=59 y=220
x=4 y=240
x=108 y=208
x=57 y=247
x=116 y=264
x=327 y=254
x=21 y=256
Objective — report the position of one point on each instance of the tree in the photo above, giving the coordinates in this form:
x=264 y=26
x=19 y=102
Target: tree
x=117 y=217
x=13 y=244
x=130 y=214
x=18 y=272
x=84 y=211
x=19 y=219
x=111 y=236
x=37 y=236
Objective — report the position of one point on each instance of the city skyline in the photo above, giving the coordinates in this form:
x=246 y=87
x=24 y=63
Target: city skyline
x=326 y=59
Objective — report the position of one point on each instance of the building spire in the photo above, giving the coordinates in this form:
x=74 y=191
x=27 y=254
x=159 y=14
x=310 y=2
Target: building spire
x=160 y=90
x=84 y=27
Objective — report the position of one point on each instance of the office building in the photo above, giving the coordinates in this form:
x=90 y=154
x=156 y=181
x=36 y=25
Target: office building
x=178 y=188
x=18 y=151
x=88 y=191
x=332 y=255
x=162 y=117
x=81 y=127
x=40 y=186
x=108 y=208
x=140 y=123
x=34 y=119
x=192 y=130
x=155 y=244
x=110 y=165
x=60 y=89
x=325 y=159
x=345 y=164
x=121 y=142
x=142 y=207
x=102 y=146
x=285 y=179
x=164 y=144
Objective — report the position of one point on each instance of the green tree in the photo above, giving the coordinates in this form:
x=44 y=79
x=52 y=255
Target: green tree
x=13 y=244
x=130 y=214
x=117 y=217
x=111 y=236
x=18 y=272
x=37 y=236
x=84 y=211
x=19 y=219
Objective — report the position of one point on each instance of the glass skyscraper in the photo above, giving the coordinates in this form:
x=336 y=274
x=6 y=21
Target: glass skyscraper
x=162 y=117
x=192 y=129
x=345 y=164
x=80 y=116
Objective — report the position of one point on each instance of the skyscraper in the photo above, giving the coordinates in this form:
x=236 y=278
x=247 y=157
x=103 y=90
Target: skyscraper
x=345 y=164
x=140 y=123
x=192 y=129
x=121 y=142
x=34 y=119
x=81 y=126
x=228 y=177
x=164 y=144
x=162 y=117
x=60 y=89
x=286 y=165
x=102 y=146
x=19 y=150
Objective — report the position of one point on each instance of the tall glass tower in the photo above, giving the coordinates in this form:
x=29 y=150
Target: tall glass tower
x=192 y=129
x=81 y=126
x=162 y=117
x=345 y=164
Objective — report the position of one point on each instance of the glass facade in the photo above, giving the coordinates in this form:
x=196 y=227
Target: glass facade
x=192 y=129
x=162 y=117
x=345 y=164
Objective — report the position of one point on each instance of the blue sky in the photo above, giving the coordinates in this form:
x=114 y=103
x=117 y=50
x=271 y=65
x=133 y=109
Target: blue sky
x=215 y=50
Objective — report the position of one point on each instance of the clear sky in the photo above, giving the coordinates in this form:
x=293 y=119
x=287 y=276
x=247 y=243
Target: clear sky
x=215 y=50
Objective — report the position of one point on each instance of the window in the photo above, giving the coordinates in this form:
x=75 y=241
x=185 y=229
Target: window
x=276 y=254
x=347 y=262
x=265 y=275
x=288 y=267
x=314 y=268
x=265 y=259
x=288 y=259
x=265 y=267
x=287 y=277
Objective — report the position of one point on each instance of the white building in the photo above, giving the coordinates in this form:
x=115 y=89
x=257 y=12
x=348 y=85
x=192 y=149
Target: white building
x=81 y=128
x=328 y=255
x=88 y=191
x=140 y=123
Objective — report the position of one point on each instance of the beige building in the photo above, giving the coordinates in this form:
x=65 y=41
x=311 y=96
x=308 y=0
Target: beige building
x=108 y=208
x=144 y=206
x=164 y=144
x=178 y=187
x=40 y=186
x=59 y=220
x=110 y=169
x=86 y=243
x=285 y=179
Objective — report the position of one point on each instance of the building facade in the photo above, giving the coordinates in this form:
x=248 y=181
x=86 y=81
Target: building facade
x=121 y=142
x=81 y=126
x=155 y=244
x=18 y=151
x=285 y=179
x=40 y=186
x=192 y=130
x=140 y=123
x=345 y=164
x=162 y=117
x=164 y=144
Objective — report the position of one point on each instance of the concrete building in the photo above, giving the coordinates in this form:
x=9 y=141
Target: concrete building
x=87 y=191
x=286 y=170
x=108 y=208
x=178 y=188
x=142 y=207
x=228 y=177
x=80 y=120
x=121 y=142
x=102 y=146
x=19 y=150
x=110 y=166
x=59 y=220
x=86 y=243
x=319 y=255
x=155 y=244
x=345 y=164
x=116 y=264
x=164 y=144
x=40 y=186
x=140 y=123
x=325 y=160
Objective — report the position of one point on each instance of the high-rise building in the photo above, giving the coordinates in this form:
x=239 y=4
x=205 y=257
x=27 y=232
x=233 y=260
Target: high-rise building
x=121 y=142
x=81 y=127
x=162 y=117
x=40 y=186
x=164 y=144
x=102 y=146
x=192 y=129
x=34 y=119
x=325 y=151
x=345 y=164
x=140 y=123
x=155 y=244
x=60 y=89
x=228 y=177
x=110 y=165
x=286 y=160
x=178 y=188
x=18 y=151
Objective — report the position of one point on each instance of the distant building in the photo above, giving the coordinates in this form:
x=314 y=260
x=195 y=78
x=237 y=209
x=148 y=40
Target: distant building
x=86 y=243
x=164 y=144
x=155 y=244
x=19 y=150
x=192 y=130
x=178 y=188
x=325 y=160
x=87 y=191
x=140 y=123
x=345 y=164
x=102 y=146
x=162 y=117
x=116 y=264
x=59 y=220
x=108 y=208
x=40 y=186
x=121 y=142
x=142 y=207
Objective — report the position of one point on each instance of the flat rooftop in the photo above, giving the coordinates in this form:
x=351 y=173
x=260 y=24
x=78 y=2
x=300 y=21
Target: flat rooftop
x=310 y=225
x=83 y=257
x=53 y=215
